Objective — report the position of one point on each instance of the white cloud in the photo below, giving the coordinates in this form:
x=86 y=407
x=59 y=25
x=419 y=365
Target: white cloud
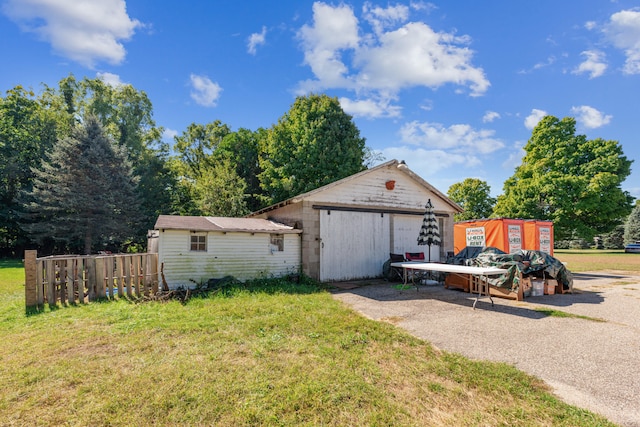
x=169 y=134
x=383 y=18
x=589 y=117
x=205 y=92
x=623 y=30
x=380 y=64
x=255 y=40
x=422 y=5
x=110 y=79
x=490 y=116
x=415 y=55
x=429 y=163
x=370 y=108
x=590 y=25
x=86 y=31
x=550 y=61
x=458 y=138
x=595 y=64
x=515 y=157
x=532 y=119
x=334 y=30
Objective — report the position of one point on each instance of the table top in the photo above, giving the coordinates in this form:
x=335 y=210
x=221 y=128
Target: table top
x=450 y=268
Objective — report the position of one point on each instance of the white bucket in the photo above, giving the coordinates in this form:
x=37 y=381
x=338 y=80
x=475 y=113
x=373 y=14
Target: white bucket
x=537 y=288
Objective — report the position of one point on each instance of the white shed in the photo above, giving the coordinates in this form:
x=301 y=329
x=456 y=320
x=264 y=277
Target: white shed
x=352 y=225
x=194 y=249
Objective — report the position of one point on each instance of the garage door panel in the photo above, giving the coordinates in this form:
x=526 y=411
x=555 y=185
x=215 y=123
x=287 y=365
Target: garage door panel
x=354 y=245
x=406 y=229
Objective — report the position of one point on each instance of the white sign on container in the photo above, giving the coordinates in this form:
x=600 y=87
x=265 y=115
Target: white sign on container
x=476 y=236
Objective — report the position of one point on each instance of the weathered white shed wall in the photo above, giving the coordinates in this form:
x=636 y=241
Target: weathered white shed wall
x=370 y=190
x=238 y=254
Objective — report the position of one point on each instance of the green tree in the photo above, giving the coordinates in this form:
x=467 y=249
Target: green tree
x=195 y=147
x=126 y=115
x=242 y=149
x=569 y=180
x=84 y=194
x=632 y=226
x=221 y=192
x=474 y=196
x=313 y=144
x=27 y=132
x=614 y=239
x=194 y=162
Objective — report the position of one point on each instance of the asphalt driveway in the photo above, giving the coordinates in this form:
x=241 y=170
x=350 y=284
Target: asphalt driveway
x=590 y=364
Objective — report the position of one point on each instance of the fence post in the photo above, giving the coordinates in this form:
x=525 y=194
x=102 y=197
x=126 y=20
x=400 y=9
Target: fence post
x=100 y=278
x=91 y=278
x=40 y=282
x=50 y=267
x=154 y=272
x=30 y=282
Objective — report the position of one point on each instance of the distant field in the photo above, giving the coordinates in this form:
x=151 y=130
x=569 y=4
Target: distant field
x=597 y=260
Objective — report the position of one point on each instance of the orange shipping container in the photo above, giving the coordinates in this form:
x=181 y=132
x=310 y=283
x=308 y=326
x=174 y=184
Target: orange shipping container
x=502 y=233
x=538 y=235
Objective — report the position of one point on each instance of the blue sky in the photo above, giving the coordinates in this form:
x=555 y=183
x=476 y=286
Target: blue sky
x=454 y=88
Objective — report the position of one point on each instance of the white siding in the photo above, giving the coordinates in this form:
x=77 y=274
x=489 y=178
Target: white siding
x=405 y=237
x=354 y=245
x=241 y=255
x=370 y=190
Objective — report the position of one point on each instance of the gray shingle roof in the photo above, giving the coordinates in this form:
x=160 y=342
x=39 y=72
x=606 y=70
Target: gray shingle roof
x=211 y=223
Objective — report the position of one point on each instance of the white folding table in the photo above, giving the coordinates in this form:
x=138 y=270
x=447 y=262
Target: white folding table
x=480 y=275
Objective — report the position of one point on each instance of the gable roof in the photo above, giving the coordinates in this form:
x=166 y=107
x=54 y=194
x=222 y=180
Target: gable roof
x=401 y=166
x=225 y=224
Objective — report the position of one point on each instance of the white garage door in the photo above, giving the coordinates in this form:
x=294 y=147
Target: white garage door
x=354 y=245
x=406 y=229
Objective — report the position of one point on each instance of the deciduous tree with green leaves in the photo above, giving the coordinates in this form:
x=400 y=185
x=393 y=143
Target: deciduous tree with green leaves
x=570 y=180
x=84 y=195
x=313 y=144
x=474 y=196
x=27 y=132
x=242 y=149
x=194 y=163
x=220 y=191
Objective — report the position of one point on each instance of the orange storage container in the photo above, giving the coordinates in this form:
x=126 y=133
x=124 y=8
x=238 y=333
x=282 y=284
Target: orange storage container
x=538 y=235
x=502 y=233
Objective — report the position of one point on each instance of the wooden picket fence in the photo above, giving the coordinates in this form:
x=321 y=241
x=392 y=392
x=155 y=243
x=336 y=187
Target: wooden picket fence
x=77 y=279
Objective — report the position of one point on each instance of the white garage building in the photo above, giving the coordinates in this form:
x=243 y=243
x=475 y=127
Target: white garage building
x=352 y=225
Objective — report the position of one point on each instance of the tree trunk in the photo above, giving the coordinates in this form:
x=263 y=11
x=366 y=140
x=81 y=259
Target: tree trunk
x=87 y=242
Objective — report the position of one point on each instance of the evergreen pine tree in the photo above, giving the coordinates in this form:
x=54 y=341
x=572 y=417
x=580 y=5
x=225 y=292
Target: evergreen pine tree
x=632 y=226
x=84 y=195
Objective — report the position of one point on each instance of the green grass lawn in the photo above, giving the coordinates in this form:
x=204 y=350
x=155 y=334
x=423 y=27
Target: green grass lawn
x=597 y=260
x=272 y=356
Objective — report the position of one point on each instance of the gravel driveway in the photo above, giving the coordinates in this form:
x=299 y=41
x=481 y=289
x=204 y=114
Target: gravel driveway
x=590 y=364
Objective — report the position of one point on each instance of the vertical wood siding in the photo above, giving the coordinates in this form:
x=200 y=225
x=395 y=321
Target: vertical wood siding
x=405 y=237
x=354 y=245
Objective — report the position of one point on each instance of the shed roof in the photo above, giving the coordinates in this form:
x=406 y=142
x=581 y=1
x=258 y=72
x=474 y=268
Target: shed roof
x=211 y=223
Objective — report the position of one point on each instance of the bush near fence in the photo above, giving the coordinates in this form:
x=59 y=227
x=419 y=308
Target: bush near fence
x=76 y=279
